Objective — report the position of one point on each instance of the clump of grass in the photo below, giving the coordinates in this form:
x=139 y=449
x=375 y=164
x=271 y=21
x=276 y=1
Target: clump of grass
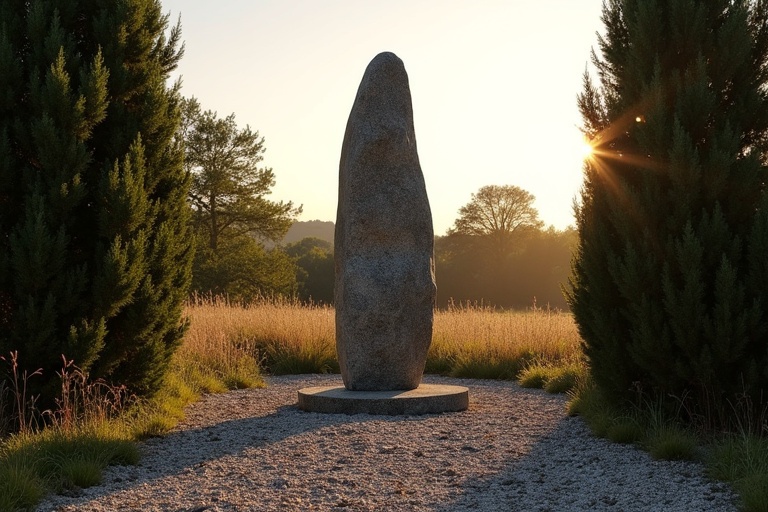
x=181 y=386
x=743 y=461
x=20 y=486
x=647 y=425
x=317 y=356
x=563 y=379
x=244 y=374
x=671 y=442
x=82 y=436
x=535 y=376
x=553 y=378
x=625 y=430
x=67 y=459
x=589 y=402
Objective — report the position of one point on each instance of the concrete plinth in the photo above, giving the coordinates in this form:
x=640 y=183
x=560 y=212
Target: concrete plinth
x=426 y=399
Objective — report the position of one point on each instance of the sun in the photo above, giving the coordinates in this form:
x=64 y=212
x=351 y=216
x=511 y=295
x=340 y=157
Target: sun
x=585 y=149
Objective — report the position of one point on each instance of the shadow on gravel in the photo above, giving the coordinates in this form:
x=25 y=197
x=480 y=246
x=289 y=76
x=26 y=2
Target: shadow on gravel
x=191 y=449
x=514 y=449
x=569 y=469
x=232 y=437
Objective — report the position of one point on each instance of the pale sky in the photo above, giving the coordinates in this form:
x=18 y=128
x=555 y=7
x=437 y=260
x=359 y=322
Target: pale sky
x=493 y=84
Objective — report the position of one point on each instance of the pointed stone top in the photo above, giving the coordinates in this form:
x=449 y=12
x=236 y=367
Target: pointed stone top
x=384 y=94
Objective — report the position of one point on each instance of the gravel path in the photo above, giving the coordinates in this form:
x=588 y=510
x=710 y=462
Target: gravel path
x=513 y=450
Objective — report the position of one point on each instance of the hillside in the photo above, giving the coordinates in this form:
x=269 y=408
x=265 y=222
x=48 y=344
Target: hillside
x=311 y=228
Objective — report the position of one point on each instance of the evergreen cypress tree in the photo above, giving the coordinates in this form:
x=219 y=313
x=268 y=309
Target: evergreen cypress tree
x=94 y=248
x=669 y=284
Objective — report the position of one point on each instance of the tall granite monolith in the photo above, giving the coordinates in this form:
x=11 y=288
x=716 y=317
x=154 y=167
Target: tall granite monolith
x=384 y=244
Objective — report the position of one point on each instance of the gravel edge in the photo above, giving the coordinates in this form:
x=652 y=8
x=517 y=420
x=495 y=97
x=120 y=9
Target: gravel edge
x=513 y=449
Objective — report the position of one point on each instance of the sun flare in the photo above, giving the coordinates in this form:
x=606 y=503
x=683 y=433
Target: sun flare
x=585 y=149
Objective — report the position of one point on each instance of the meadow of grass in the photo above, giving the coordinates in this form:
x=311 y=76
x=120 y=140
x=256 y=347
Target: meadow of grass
x=472 y=341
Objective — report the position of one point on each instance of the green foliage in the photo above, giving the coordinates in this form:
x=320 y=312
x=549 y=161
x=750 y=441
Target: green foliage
x=95 y=261
x=467 y=364
x=244 y=271
x=670 y=278
x=671 y=442
x=314 y=258
x=743 y=461
x=532 y=272
x=228 y=186
x=230 y=210
x=57 y=459
x=20 y=486
x=553 y=378
x=625 y=430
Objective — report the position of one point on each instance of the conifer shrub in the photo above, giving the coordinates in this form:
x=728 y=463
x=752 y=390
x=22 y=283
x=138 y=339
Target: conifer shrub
x=95 y=254
x=669 y=283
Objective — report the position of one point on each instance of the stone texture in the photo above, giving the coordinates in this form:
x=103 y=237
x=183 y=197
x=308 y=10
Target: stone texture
x=385 y=287
x=426 y=399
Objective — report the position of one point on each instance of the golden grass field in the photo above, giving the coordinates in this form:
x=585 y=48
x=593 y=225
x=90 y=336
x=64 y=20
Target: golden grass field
x=289 y=337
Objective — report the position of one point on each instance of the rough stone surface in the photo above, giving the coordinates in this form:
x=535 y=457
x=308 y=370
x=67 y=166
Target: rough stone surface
x=385 y=288
x=426 y=399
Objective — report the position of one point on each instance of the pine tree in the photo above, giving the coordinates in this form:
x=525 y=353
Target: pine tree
x=669 y=284
x=95 y=252
x=231 y=210
x=228 y=186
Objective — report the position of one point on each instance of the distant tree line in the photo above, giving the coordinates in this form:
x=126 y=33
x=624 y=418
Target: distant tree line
x=532 y=272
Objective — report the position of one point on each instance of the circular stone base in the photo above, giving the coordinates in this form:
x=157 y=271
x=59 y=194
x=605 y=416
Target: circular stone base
x=426 y=399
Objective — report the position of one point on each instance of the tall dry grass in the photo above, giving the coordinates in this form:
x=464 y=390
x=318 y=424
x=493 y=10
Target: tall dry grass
x=285 y=336
x=469 y=341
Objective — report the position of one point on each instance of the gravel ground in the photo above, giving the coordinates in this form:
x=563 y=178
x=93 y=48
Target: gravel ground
x=513 y=450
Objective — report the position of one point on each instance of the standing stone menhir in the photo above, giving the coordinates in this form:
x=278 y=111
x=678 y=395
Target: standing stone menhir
x=385 y=287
